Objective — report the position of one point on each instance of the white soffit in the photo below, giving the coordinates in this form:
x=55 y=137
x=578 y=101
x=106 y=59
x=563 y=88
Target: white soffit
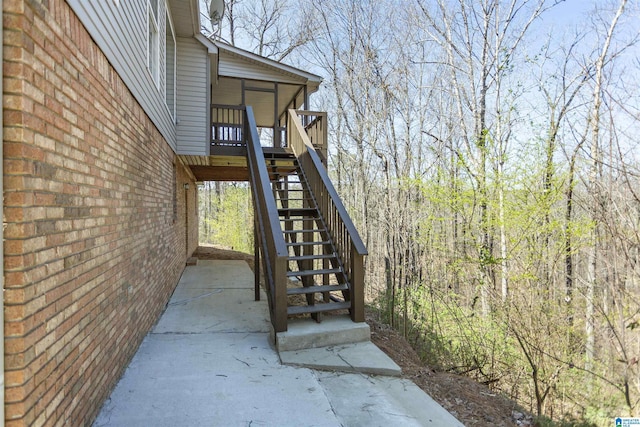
x=185 y=15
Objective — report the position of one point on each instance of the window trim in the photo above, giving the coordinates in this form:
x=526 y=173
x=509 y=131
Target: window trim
x=169 y=31
x=153 y=30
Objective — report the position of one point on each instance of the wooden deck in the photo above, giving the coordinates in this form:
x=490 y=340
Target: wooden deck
x=226 y=163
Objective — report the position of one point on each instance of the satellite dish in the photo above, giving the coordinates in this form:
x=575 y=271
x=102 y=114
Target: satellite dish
x=216 y=10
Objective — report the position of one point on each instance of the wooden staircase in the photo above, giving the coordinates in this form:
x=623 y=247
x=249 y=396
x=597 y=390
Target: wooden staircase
x=306 y=247
x=314 y=269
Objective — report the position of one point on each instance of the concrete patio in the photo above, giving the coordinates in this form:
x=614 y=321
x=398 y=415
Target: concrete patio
x=210 y=361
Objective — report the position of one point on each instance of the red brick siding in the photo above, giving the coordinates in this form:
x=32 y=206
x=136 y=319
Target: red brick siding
x=92 y=249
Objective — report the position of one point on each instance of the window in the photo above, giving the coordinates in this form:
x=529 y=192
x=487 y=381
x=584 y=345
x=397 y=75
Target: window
x=153 y=42
x=170 y=68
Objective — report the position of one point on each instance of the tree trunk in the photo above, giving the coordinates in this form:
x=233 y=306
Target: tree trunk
x=594 y=190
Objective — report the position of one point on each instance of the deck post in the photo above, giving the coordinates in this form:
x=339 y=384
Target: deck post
x=276 y=127
x=306 y=99
x=280 y=297
x=357 y=286
x=256 y=260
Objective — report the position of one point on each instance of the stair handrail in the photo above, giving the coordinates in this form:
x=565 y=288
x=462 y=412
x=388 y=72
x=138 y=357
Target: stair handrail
x=315 y=126
x=346 y=238
x=268 y=231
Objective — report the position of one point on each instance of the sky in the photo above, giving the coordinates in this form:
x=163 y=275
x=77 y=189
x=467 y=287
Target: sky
x=563 y=17
x=568 y=13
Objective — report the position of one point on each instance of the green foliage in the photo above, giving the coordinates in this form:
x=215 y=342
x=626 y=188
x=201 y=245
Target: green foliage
x=452 y=337
x=226 y=217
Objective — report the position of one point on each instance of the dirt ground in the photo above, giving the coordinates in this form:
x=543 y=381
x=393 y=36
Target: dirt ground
x=470 y=402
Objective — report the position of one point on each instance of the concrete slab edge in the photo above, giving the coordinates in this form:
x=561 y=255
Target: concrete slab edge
x=363 y=358
x=333 y=331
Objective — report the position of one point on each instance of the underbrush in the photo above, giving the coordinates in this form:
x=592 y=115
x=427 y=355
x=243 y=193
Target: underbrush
x=517 y=351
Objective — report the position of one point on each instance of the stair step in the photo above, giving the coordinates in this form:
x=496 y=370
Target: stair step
x=306 y=218
x=280 y=159
x=313 y=230
x=297 y=211
x=281 y=163
x=317 y=289
x=313 y=272
x=291 y=207
x=280 y=155
x=308 y=243
x=310 y=257
x=276 y=178
x=301 y=309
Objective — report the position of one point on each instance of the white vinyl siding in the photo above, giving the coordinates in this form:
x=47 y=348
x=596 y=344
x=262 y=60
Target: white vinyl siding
x=193 y=103
x=170 y=68
x=120 y=30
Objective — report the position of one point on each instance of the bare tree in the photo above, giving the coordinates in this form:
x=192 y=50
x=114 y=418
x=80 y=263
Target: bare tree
x=266 y=27
x=446 y=142
x=594 y=185
x=481 y=40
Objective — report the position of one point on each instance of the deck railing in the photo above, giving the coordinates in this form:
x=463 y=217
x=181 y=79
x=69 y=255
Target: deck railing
x=315 y=126
x=227 y=124
x=347 y=241
x=270 y=247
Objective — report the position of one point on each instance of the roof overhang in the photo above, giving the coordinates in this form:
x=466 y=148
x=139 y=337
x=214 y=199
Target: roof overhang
x=265 y=82
x=274 y=70
x=273 y=87
x=185 y=15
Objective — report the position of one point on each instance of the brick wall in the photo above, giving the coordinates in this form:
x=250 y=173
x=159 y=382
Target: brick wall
x=94 y=245
x=187 y=200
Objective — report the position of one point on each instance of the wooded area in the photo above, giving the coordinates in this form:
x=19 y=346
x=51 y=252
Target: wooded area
x=226 y=215
x=488 y=152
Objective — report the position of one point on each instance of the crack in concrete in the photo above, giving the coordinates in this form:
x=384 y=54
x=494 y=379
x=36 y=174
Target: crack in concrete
x=326 y=396
x=188 y=300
